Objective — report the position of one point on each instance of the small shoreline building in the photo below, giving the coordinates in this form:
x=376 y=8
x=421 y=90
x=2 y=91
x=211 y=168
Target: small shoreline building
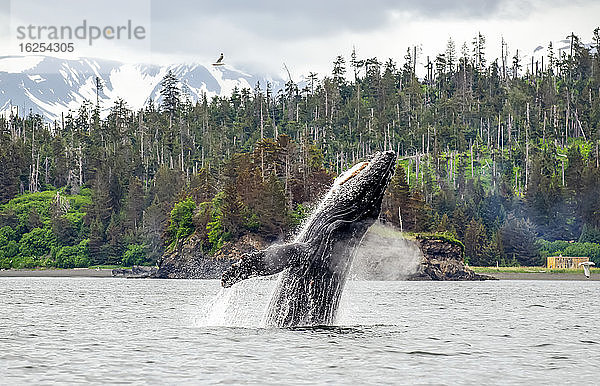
x=565 y=261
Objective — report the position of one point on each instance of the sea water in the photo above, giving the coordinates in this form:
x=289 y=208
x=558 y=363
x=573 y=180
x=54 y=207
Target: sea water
x=70 y=330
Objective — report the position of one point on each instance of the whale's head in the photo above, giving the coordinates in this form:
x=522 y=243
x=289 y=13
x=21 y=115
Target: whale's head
x=360 y=189
x=357 y=193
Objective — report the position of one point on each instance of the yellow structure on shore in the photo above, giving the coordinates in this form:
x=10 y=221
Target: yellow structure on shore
x=565 y=261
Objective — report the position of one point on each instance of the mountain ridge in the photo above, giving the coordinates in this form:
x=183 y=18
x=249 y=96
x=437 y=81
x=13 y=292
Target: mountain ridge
x=52 y=86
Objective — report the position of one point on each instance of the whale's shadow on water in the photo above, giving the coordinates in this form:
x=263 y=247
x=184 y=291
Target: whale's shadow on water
x=331 y=329
x=360 y=332
x=376 y=331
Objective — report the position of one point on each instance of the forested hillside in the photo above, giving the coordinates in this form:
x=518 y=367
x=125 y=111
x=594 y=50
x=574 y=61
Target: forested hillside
x=502 y=154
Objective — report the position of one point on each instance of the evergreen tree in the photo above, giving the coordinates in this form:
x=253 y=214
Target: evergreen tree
x=134 y=206
x=518 y=240
x=170 y=93
x=476 y=244
x=396 y=204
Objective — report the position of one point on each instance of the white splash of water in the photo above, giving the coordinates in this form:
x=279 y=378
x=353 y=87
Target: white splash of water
x=215 y=312
x=382 y=255
x=271 y=297
x=242 y=305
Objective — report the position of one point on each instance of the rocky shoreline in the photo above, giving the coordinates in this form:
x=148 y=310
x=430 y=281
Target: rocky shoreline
x=441 y=259
x=430 y=259
x=107 y=273
x=135 y=272
x=188 y=260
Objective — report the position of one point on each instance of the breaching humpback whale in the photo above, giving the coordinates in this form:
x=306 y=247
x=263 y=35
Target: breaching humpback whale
x=315 y=264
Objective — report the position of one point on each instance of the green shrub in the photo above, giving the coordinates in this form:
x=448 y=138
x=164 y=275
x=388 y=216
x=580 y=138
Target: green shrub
x=216 y=233
x=37 y=243
x=8 y=252
x=134 y=255
x=21 y=262
x=6 y=234
x=76 y=256
x=181 y=223
x=42 y=203
x=252 y=221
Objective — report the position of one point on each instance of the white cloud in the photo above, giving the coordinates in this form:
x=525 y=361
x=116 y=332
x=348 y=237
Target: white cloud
x=260 y=36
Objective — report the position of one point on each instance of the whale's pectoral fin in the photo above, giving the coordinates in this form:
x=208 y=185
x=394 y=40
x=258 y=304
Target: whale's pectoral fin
x=263 y=263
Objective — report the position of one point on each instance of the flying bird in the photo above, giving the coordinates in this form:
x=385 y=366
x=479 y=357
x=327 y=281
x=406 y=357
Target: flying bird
x=219 y=61
x=586 y=267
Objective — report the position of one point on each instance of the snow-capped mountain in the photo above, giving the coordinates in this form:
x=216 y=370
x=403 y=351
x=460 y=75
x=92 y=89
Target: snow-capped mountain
x=559 y=48
x=52 y=86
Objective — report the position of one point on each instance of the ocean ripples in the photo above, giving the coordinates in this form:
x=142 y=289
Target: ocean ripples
x=119 y=331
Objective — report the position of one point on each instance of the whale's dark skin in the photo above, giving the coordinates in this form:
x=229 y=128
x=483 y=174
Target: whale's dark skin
x=314 y=266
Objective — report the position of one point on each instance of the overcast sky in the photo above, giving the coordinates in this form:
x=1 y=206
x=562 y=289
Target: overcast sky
x=259 y=36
